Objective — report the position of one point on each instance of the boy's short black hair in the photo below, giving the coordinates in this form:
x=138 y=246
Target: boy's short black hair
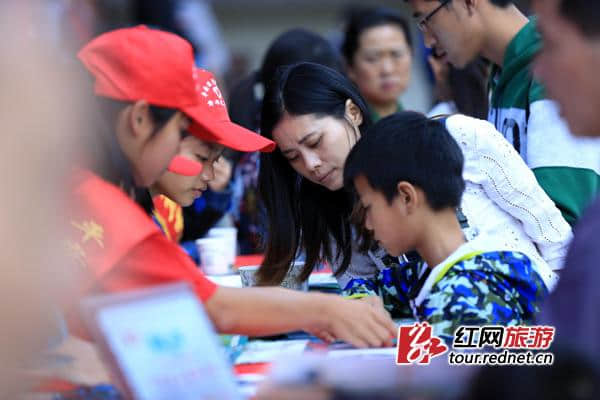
x=407 y=146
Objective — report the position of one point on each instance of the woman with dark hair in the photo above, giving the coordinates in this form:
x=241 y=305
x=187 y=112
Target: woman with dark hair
x=377 y=48
x=307 y=206
x=316 y=115
x=290 y=47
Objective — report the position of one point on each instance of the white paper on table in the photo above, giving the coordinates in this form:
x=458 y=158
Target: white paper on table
x=259 y=351
x=322 y=278
x=364 y=353
x=226 y=280
x=317 y=279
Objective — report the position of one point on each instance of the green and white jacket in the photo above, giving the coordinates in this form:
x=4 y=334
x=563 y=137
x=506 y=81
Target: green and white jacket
x=567 y=168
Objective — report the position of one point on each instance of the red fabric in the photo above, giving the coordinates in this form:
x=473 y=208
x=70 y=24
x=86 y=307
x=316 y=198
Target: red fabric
x=211 y=121
x=157 y=261
x=138 y=63
x=250 y=259
x=105 y=224
x=120 y=248
x=259 y=368
x=55 y=386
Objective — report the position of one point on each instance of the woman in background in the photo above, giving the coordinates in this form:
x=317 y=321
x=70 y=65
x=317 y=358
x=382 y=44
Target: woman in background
x=377 y=49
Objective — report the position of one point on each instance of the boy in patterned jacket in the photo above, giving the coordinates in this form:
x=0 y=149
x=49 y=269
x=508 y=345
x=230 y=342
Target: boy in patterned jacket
x=408 y=174
x=567 y=168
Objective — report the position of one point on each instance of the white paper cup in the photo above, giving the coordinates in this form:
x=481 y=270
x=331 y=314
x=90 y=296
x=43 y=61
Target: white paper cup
x=248 y=277
x=229 y=234
x=214 y=255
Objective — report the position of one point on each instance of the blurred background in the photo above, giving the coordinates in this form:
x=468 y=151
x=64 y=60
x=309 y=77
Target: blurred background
x=231 y=36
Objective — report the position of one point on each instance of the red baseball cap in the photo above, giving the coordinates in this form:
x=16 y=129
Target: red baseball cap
x=211 y=121
x=137 y=63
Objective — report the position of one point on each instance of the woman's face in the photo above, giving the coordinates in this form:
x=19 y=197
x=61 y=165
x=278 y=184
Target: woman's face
x=381 y=65
x=185 y=189
x=316 y=147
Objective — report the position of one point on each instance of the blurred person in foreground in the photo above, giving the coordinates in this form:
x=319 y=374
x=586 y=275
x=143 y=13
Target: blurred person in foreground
x=36 y=148
x=568 y=65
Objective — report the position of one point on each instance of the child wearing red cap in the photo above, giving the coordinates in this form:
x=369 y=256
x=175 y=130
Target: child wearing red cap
x=176 y=189
x=151 y=93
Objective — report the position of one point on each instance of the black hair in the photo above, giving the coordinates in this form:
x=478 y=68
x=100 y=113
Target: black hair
x=292 y=46
x=161 y=14
x=584 y=14
x=109 y=161
x=362 y=18
x=407 y=146
x=499 y=3
x=303 y=215
x=469 y=88
x=298 y=45
x=466 y=87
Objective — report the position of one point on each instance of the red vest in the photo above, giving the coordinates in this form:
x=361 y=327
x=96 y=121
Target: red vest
x=105 y=225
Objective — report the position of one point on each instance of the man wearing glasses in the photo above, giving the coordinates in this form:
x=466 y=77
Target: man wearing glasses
x=460 y=31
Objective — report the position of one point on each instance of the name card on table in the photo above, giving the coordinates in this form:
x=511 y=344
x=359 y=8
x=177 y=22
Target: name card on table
x=161 y=345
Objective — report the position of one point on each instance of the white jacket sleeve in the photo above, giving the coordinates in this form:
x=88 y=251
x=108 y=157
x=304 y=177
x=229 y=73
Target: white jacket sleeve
x=509 y=182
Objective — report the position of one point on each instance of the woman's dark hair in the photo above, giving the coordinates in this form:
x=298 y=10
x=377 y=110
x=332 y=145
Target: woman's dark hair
x=362 y=18
x=428 y=155
x=468 y=88
x=109 y=161
x=292 y=46
x=303 y=215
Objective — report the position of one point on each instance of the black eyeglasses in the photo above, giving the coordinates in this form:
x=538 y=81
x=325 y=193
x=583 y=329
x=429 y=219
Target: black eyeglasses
x=423 y=22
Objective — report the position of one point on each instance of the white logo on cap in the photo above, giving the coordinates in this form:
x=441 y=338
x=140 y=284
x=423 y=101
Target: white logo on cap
x=211 y=92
